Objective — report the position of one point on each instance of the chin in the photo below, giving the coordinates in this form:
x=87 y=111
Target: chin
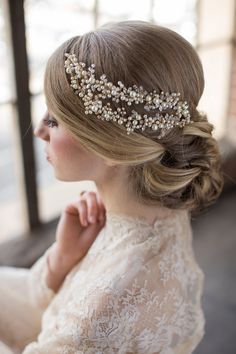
x=62 y=178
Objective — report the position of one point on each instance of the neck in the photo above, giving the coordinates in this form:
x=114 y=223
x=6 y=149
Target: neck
x=118 y=198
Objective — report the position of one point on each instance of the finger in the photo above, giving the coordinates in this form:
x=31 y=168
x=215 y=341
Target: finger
x=102 y=209
x=99 y=198
x=102 y=212
x=72 y=208
x=92 y=206
x=79 y=208
x=87 y=206
x=83 y=211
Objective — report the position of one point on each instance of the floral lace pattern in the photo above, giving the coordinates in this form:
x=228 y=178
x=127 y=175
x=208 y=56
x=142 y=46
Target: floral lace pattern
x=137 y=290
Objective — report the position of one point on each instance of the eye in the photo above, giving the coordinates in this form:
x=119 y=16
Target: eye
x=50 y=122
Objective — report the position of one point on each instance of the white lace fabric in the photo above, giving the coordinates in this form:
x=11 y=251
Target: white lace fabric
x=137 y=290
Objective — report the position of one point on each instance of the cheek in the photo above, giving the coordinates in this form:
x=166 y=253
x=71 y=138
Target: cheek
x=72 y=162
x=63 y=148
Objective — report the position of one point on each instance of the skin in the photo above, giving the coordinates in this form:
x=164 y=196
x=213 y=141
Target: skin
x=71 y=162
x=79 y=223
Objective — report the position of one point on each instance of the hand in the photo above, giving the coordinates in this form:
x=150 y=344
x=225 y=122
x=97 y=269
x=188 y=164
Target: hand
x=73 y=237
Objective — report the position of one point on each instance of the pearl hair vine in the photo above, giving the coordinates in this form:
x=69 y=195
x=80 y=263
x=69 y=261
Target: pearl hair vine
x=92 y=91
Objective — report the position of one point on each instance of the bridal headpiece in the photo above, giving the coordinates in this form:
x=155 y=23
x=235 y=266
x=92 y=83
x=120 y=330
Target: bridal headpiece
x=93 y=91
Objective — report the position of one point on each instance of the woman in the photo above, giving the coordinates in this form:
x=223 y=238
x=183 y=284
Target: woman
x=122 y=112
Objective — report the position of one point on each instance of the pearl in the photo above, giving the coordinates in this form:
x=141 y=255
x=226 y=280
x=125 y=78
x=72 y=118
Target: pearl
x=148 y=98
x=156 y=101
x=94 y=108
x=132 y=94
x=154 y=127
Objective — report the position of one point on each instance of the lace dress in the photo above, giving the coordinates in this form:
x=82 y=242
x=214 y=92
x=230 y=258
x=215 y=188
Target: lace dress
x=137 y=290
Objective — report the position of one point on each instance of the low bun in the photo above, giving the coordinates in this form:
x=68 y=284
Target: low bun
x=188 y=175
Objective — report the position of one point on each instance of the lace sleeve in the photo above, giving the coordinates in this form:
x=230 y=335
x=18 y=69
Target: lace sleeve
x=140 y=313
x=39 y=293
x=23 y=299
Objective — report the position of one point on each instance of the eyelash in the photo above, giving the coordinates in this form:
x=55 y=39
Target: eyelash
x=49 y=121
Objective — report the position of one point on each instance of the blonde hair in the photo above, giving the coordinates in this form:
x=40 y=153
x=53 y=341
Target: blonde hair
x=181 y=170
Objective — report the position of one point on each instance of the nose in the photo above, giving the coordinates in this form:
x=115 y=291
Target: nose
x=41 y=131
x=37 y=130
